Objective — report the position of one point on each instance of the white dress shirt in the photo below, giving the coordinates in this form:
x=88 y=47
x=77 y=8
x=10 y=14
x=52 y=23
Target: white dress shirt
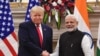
x=85 y=44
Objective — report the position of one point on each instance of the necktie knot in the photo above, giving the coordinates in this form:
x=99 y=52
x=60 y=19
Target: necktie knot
x=37 y=25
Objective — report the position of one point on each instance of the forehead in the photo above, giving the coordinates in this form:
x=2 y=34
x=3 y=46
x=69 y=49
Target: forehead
x=37 y=10
x=70 y=19
x=36 y=13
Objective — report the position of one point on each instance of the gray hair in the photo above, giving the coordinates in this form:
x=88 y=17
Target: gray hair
x=71 y=16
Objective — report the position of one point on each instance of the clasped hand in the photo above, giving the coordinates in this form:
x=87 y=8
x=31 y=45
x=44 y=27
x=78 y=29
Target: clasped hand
x=45 y=53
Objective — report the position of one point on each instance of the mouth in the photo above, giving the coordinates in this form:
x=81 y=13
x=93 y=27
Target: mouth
x=70 y=27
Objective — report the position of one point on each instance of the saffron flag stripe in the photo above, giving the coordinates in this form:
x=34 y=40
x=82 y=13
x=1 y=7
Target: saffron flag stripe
x=81 y=21
x=82 y=15
x=4 y=49
x=83 y=11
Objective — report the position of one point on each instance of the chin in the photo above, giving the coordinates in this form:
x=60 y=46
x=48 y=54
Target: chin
x=71 y=29
x=38 y=23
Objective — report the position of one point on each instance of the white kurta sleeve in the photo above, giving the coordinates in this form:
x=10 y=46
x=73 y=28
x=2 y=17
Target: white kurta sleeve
x=56 y=51
x=86 y=46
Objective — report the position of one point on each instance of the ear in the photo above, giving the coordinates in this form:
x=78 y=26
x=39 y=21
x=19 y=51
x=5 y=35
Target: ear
x=77 y=22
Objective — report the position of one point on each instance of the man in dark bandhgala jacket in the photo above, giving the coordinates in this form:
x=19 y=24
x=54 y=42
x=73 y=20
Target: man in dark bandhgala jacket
x=73 y=42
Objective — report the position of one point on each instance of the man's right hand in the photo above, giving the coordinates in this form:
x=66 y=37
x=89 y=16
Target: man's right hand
x=45 y=53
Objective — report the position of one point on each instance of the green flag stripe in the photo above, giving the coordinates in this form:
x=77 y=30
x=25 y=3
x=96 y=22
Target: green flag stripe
x=98 y=51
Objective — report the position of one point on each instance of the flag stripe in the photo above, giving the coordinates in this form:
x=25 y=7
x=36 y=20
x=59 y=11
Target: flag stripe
x=13 y=42
x=14 y=35
x=82 y=24
x=83 y=11
x=98 y=41
x=80 y=11
x=4 y=49
x=10 y=47
x=1 y=53
x=98 y=51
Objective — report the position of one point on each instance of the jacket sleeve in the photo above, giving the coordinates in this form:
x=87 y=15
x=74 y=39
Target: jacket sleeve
x=24 y=41
x=86 y=46
x=56 y=51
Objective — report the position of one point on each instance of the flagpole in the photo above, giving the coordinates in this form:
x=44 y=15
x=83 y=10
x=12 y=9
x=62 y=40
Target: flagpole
x=96 y=2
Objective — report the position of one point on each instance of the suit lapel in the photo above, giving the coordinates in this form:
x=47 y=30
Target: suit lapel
x=34 y=33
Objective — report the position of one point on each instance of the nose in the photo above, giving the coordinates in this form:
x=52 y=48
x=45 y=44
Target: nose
x=37 y=16
x=68 y=23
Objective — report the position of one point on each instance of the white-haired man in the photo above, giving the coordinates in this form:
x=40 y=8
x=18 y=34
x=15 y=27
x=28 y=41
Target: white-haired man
x=73 y=42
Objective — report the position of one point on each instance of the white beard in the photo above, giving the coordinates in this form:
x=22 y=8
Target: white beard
x=71 y=29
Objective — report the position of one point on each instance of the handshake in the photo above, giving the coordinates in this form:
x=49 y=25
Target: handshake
x=45 y=53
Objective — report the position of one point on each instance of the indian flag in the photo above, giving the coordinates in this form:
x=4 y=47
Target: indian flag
x=81 y=13
x=98 y=41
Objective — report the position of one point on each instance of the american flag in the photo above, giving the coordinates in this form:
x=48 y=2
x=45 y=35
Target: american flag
x=30 y=5
x=8 y=40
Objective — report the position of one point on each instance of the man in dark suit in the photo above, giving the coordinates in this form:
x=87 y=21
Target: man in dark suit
x=35 y=38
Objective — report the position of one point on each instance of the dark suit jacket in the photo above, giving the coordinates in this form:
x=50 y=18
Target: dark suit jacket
x=29 y=41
